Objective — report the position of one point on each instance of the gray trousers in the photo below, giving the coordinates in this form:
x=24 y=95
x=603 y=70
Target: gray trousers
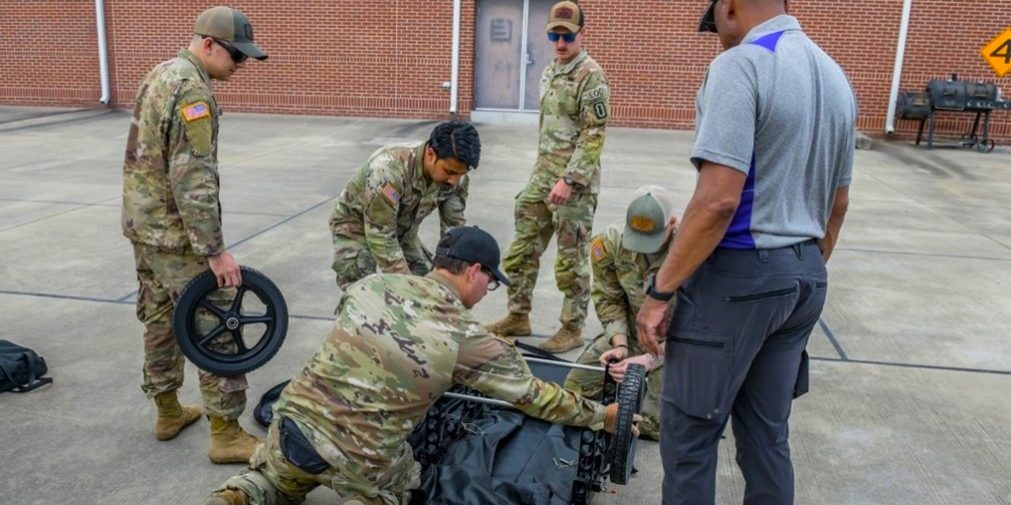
x=735 y=349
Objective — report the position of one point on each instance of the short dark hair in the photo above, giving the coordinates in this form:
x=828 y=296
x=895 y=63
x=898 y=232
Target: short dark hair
x=457 y=139
x=455 y=266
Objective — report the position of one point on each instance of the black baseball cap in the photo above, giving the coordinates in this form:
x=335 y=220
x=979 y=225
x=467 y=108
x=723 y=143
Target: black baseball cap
x=473 y=245
x=708 y=21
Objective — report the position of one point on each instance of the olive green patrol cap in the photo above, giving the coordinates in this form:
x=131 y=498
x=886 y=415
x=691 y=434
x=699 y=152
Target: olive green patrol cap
x=566 y=15
x=229 y=25
x=647 y=219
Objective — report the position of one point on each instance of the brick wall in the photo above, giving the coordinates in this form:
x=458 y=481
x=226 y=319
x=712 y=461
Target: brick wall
x=48 y=53
x=389 y=59
x=352 y=57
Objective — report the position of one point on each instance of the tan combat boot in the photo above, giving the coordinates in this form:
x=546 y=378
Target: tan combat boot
x=229 y=442
x=513 y=325
x=172 y=417
x=566 y=338
x=228 y=497
x=648 y=428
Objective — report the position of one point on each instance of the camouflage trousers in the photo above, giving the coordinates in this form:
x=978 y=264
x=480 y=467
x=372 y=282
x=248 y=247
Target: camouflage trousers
x=536 y=223
x=162 y=276
x=591 y=385
x=272 y=480
x=353 y=261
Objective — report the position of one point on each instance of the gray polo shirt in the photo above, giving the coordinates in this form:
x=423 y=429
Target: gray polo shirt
x=779 y=109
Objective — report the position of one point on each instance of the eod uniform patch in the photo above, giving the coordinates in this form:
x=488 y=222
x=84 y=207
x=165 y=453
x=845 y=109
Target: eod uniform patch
x=597 y=101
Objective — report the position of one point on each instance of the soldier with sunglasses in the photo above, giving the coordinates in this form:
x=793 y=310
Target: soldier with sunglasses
x=172 y=216
x=561 y=195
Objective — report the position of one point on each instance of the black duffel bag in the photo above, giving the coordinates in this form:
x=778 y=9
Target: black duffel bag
x=21 y=369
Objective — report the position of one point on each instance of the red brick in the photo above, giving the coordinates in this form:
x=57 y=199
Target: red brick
x=383 y=59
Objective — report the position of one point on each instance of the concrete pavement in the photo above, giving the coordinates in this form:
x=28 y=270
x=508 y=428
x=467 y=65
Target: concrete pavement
x=910 y=399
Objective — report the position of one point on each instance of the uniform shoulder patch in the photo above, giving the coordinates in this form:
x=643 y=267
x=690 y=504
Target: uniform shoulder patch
x=195 y=111
x=600 y=110
x=597 y=249
x=596 y=94
x=391 y=194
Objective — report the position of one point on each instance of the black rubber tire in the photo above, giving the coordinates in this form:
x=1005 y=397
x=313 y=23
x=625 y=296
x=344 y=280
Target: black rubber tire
x=623 y=442
x=184 y=324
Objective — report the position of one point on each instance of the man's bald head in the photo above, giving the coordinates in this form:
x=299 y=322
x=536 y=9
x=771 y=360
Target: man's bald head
x=733 y=19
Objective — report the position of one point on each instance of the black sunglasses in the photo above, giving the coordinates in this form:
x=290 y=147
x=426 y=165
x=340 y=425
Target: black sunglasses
x=237 y=56
x=568 y=37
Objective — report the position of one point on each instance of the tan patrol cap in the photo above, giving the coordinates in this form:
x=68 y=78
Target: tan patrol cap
x=229 y=25
x=566 y=15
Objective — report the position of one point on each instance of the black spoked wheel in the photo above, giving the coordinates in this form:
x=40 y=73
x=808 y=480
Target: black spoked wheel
x=243 y=333
x=623 y=442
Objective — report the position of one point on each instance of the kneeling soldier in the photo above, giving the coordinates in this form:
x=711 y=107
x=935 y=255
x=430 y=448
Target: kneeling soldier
x=622 y=261
x=399 y=342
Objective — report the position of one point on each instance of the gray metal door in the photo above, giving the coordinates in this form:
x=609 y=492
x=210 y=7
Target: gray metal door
x=511 y=51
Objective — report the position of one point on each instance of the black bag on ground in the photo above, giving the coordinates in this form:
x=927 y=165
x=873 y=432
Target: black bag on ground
x=21 y=369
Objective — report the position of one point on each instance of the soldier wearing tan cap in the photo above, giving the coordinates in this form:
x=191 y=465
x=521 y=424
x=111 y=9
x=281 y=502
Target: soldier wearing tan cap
x=624 y=256
x=561 y=197
x=172 y=216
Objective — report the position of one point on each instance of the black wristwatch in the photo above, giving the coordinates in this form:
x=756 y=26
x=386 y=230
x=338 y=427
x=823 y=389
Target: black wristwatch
x=654 y=294
x=571 y=182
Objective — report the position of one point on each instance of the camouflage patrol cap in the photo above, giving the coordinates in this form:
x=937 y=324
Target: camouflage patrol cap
x=229 y=25
x=646 y=220
x=473 y=245
x=566 y=15
x=708 y=21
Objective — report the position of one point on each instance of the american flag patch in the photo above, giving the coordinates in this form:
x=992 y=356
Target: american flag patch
x=597 y=250
x=195 y=111
x=391 y=194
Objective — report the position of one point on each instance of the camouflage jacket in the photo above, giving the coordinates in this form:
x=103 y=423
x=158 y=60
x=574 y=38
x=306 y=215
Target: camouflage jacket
x=399 y=342
x=619 y=282
x=170 y=175
x=575 y=107
x=384 y=203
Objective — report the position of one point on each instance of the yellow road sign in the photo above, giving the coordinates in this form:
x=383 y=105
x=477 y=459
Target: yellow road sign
x=998 y=53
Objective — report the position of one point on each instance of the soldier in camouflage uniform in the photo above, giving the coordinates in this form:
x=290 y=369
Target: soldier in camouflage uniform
x=452 y=203
x=561 y=195
x=376 y=219
x=172 y=215
x=399 y=342
x=623 y=257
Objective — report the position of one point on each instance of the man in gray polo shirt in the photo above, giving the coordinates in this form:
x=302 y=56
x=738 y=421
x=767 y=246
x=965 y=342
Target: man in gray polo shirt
x=774 y=150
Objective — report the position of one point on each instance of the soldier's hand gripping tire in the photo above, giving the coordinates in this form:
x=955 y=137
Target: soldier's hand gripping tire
x=623 y=441
x=249 y=351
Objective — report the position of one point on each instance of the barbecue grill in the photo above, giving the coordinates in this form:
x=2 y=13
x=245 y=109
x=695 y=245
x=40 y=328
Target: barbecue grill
x=954 y=95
